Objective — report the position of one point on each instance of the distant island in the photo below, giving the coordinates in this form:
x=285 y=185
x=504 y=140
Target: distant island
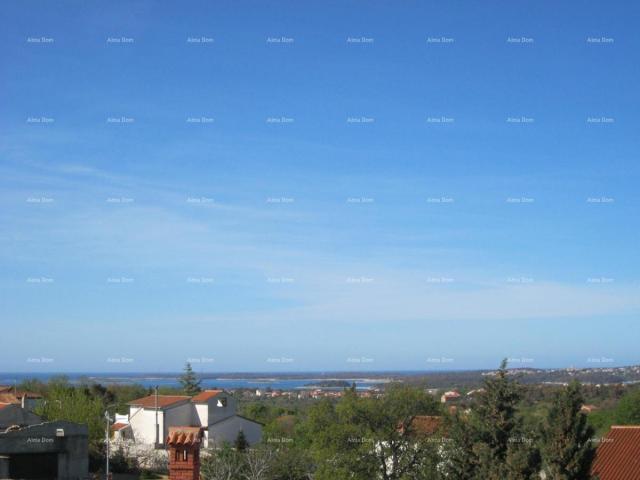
x=329 y=384
x=600 y=373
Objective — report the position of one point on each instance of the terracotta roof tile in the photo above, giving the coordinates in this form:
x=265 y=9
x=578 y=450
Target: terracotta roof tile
x=4 y=389
x=423 y=425
x=205 y=396
x=618 y=456
x=10 y=397
x=164 y=401
x=184 y=436
x=118 y=426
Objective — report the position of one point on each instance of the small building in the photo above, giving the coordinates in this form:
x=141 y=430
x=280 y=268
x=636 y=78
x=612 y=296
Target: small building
x=212 y=410
x=49 y=450
x=475 y=392
x=449 y=396
x=588 y=408
x=618 y=455
x=163 y=410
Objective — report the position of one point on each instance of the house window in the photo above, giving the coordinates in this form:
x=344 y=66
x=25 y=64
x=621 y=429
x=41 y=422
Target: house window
x=185 y=455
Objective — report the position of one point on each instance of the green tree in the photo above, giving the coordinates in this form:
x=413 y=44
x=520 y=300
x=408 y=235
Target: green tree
x=64 y=402
x=364 y=438
x=565 y=442
x=291 y=463
x=628 y=410
x=241 y=443
x=32 y=385
x=460 y=460
x=189 y=381
x=491 y=443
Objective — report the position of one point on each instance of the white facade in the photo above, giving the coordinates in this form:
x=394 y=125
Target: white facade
x=215 y=412
x=143 y=421
x=201 y=414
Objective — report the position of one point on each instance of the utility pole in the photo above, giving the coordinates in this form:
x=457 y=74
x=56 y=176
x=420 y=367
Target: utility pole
x=106 y=439
x=157 y=426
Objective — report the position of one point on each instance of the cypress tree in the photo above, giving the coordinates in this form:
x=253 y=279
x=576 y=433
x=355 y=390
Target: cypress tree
x=492 y=444
x=567 y=451
x=241 y=443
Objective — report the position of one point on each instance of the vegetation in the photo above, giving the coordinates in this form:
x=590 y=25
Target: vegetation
x=364 y=438
x=566 y=446
x=492 y=442
x=189 y=381
x=64 y=402
x=508 y=430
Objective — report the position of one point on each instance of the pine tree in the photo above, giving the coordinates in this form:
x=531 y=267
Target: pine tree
x=241 y=443
x=189 y=381
x=565 y=440
x=506 y=450
x=491 y=443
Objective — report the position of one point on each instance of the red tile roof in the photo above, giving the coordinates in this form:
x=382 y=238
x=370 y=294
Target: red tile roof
x=164 y=401
x=205 y=396
x=3 y=405
x=423 y=425
x=618 y=456
x=184 y=436
x=19 y=393
x=118 y=426
x=8 y=395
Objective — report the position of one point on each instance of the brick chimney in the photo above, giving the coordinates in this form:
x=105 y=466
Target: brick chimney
x=184 y=444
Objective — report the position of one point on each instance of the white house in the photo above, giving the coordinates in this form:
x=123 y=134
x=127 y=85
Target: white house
x=215 y=410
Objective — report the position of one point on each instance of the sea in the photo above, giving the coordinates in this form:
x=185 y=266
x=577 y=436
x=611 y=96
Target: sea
x=251 y=381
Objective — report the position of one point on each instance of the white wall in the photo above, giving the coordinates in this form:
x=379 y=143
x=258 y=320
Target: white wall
x=201 y=414
x=143 y=423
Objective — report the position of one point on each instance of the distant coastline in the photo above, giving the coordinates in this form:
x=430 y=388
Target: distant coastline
x=337 y=380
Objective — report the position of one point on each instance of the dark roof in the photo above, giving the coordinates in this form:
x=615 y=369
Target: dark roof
x=225 y=419
x=12 y=414
x=618 y=456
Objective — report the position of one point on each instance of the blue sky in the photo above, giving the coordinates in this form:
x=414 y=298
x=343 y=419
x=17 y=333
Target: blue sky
x=356 y=194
